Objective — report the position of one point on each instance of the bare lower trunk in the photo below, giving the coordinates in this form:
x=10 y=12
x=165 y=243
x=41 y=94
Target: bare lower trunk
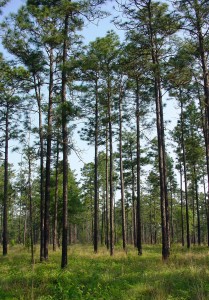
x=48 y=159
x=112 y=232
x=107 y=192
x=43 y=252
x=6 y=179
x=65 y=150
x=138 y=153
x=182 y=215
x=55 y=242
x=30 y=210
x=96 y=176
x=185 y=178
x=121 y=177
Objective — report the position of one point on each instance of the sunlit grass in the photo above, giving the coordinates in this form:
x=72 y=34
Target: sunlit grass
x=98 y=276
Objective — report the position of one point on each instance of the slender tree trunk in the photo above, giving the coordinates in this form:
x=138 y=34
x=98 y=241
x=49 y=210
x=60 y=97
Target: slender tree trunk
x=138 y=178
x=171 y=218
x=161 y=145
x=121 y=175
x=107 y=190
x=20 y=219
x=48 y=157
x=162 y=169
x=203 y=56
x=111 y=171
x=43 y=252
x=6 y=179
x=182 y=215
x=133 y=199
x=96 y=174
x=197 y=208
x=65 y=148
x=185 y=178
x=25 y=229
x=56 y=201
x=30 y=208
x=193 y=214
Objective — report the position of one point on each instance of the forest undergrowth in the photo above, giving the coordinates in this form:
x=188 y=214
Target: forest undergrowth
x=101 y=277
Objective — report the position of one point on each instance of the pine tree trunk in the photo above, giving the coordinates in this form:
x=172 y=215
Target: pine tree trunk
x=56 y=201
x=6 y=179
x=197 y=209
x=30 y=209
x=133 y=201
x=107 y=190
x=182 y=215
x=112 y=233
x=171 y=218
x=161 y=144
x=185 y=178
x=138 y=178
x=96 y=174
x=65 y=149
x=206 y=94
x=48 y=156
x=121 y=176
x=193 y=215
x=37 y=86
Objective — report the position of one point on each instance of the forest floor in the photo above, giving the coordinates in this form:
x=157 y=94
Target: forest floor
x=101 y=277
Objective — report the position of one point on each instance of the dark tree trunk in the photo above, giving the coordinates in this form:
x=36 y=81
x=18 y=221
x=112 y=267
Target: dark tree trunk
x=65 y=149
x=185 y=178
x=193 y=215
x=111 y=172
x=197 y=208
x=96 y=174
x=133 y=200
x=162 y=169
x=182 y=206
x=161 y=144
x=30 y=208
x=107 y=191
x=55 y=242
x=37 y=86
x=121 y=176
x=48 y=157
x=206 y=93
x=171 y=218
x=138 y=178
x=6 y=179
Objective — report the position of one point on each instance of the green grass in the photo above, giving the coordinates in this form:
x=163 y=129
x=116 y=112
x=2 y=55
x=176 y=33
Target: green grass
x=101 y=277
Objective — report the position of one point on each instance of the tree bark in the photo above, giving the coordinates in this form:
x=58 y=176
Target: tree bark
x=48 y=156
x=161 y=144
x=96 y=174
x=185 y=179
x=41 y=139
x=182 y=215
x=121 y=175
x=6 y=179
x=138 y=177
x=30 y=207
x=65 y=148
x=107 y=190
x=197 y=208
x=111 y=171
x=55 y=242
x=206 y=93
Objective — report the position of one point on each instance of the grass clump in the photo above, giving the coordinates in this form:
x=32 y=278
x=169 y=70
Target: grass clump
x=91 y=276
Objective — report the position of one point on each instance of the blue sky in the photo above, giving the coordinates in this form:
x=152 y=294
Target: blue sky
x=90 y=33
